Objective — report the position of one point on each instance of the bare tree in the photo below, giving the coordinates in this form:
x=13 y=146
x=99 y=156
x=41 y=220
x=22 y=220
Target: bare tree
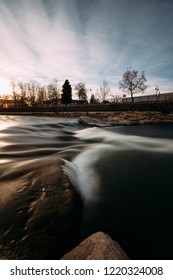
x=53 y=93
x=15 y=96
x=23 y=93
x=32 y=93
x=56 y=92
x=41 y=95
x=103 y=91
x=81 y=91
x=5 y=96
x=132 y=82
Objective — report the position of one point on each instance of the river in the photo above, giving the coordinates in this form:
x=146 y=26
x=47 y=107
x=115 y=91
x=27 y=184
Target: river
x=124 y=176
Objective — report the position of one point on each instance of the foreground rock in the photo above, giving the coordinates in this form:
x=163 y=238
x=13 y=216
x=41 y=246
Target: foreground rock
x=39 y=211
x=98 y=246
x=125 y=118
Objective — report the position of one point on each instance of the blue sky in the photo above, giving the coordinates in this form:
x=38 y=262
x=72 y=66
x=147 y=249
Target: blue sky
x=86 y=41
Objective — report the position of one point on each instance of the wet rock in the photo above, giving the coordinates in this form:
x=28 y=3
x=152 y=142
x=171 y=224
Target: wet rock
x=40 y=212
x=85 y=120
x=93 y=121
x=98 y=246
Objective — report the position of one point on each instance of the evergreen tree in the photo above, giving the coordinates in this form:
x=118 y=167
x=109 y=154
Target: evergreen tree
x=93 y=99
x=66 y=96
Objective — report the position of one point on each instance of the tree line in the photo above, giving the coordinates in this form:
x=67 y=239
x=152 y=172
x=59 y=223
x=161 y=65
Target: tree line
x=34 y=94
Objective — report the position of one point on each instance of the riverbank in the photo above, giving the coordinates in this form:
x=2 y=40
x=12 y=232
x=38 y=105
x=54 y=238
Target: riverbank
x=102 y=118
x=164 y=107
x=125 y=118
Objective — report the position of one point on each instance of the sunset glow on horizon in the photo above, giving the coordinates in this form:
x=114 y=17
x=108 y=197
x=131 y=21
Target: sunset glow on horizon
x=5 y=88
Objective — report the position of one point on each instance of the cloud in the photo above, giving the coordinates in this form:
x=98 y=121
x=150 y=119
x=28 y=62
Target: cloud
x=85 y=41
x=34 y=45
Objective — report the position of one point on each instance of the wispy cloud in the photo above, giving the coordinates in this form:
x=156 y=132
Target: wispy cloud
x=86 y=40
x=35 y=45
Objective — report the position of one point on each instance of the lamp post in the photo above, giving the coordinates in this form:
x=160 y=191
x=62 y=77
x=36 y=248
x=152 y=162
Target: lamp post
x=157 y=92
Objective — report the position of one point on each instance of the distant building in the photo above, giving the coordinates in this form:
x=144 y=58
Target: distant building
x=8 y=103
x=4 y=103
x=150 y=98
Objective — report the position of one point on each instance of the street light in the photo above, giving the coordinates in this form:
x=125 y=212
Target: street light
x=157 y=92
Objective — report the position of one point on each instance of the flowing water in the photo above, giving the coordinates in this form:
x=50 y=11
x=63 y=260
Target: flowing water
x=124 y=176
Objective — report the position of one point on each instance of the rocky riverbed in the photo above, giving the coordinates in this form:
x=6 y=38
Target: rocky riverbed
x=107 y=118
x=125 y=118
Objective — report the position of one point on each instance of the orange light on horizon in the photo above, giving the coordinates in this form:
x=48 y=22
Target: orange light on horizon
x=5 y=105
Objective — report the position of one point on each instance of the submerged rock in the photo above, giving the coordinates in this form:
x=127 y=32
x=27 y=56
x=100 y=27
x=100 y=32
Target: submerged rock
x=98 y=246
x=40 y=211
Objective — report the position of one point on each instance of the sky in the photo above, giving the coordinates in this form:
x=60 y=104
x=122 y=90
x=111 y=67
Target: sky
x=86 y=41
